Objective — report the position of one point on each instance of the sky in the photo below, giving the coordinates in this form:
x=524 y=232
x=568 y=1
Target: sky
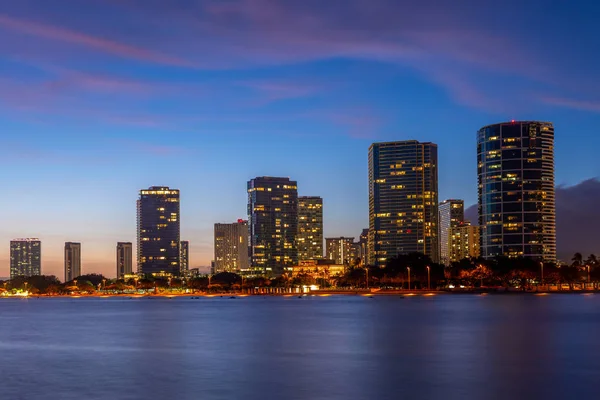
x=99 y=99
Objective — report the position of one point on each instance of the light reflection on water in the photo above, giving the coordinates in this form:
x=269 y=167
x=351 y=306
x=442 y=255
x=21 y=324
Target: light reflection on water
x=441 y=347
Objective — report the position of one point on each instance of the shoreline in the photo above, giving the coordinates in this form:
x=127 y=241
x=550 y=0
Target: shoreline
x=324 y=293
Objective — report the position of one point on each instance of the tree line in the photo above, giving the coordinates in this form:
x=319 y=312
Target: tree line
x=414 y=269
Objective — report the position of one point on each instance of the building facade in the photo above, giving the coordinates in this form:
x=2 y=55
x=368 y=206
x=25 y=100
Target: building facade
x=452 y=214
x=231 y=247
x=310 y=228
x=403 y=200
x=184 y=257
x=25 y=257
x=158 y=231
x=318 y=269
x=72 y=260
x=517 y=212
x=273 y=224
x=340 y=250
x=464 y=242
x=124 y=259
x=364 y=247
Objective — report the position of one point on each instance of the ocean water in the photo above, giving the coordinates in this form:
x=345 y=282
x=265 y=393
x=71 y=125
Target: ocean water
x=338 y=347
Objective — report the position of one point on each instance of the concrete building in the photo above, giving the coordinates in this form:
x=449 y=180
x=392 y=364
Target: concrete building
x=403 y=200
x=72 y=260
x=310 y=228
x=319 y=269
x=25 y=257
x=273 y=224
x=464 y=241
x=231 y=247
x=364 y=247
x=452 y=214
x=184 y=257
x=158 y=231
x=517 y=211
x=340 y=250
x=124 y=259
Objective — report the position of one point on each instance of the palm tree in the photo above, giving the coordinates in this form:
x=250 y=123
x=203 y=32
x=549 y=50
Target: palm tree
x=577 y=260
x=592 y=261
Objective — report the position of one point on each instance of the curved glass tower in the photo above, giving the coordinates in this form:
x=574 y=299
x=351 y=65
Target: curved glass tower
x=515 y=164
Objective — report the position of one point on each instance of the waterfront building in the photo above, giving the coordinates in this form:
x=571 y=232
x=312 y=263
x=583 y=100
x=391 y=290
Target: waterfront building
x=158 y=231
x=25 y=257
x=231 y=247
x=273 y=224
x=310 y=228
x=340 y=250
x=517 y=212
x=318 y=269
x=72 y=260
x=124 y=259
x=403 y=200
x=364 y=247
x=451 y=215
x=184 y=257
x=464 y=240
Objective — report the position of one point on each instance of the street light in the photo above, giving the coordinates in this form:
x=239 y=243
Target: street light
x=103 y=284
x=428 y=278
x=588 y=269
x=408 y=268
x=542 y=272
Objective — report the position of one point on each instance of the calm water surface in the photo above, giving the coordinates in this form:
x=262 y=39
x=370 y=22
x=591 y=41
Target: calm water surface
x=444 y=347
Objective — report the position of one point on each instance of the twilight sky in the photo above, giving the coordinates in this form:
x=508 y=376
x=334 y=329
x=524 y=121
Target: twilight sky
x=100 y=98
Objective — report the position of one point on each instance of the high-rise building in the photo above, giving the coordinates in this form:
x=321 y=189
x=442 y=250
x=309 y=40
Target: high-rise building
x=364 y=247
x=517 y=214
x=124 y=259
x=231 y=247
x=158 y=230
x=310 y=228
x=452 y=214
x=72 y=260
x=464 y=240
x=403 y=200
x=184 y=257
x=354 y=258
x=273 y=223
x=25 y=257
x=340 y=250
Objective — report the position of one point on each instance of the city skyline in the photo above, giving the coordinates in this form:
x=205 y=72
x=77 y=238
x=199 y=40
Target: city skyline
x=92 y=108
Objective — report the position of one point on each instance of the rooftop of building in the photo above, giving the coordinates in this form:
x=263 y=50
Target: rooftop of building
x=515 y=122
x=401 y=143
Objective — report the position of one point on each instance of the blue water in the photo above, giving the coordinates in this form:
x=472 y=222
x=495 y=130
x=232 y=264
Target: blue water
x=443 y=347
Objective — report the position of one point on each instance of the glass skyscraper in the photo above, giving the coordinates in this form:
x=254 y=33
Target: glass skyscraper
x=515 y=162
x=273 y=223
x=403 y=200
x=310 y=228
x=25 y=257
x=158 y=231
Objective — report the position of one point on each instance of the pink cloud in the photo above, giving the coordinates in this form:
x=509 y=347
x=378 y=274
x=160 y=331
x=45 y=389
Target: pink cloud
x=358 y=123
x=583 y=105
x=79 y=38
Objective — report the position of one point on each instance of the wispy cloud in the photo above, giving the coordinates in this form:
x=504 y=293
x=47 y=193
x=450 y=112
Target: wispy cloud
x=583 y=105
x=78 y=38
